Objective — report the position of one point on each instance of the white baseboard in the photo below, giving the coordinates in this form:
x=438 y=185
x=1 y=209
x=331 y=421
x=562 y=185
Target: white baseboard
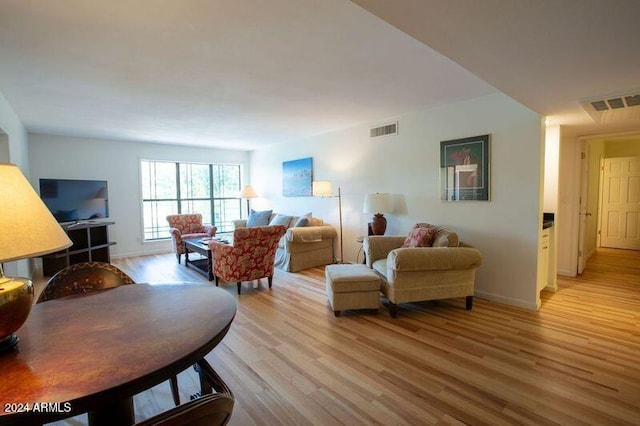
x=143 y=253
x=518 y=303
x=567 y=273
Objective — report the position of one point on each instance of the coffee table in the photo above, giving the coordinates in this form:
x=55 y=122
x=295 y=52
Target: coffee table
x=204 y=264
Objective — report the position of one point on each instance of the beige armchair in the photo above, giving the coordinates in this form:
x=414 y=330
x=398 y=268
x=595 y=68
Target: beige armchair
x=443 y=271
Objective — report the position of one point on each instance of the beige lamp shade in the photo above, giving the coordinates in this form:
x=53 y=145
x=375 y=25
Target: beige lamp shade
x=248 y=192
x=322 y=188
x=378 y=203
x=27 y=228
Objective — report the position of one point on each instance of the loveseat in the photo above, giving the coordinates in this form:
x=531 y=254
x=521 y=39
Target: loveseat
x=301 y=247
x=445 y=269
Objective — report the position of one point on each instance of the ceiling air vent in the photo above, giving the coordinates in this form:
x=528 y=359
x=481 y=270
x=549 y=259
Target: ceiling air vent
x=632 y=100
x=387 y=129
x=613 y=108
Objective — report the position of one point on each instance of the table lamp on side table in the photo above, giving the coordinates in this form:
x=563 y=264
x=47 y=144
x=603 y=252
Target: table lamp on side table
x=27 y=229
x=378 y=204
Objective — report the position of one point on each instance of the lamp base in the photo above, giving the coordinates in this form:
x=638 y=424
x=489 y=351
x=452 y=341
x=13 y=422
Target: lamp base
x=7 y=343
x=16 y=298
x=378 y=224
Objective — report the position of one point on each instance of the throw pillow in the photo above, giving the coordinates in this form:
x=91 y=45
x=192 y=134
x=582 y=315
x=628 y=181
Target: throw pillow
x=301 y=222
x=259 y=218
x=314 y=221
x=420 y=237
x=280 y=219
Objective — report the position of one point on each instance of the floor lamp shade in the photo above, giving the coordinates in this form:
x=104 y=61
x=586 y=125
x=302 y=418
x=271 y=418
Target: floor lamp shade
x=322 y=188
x=27 y=229
x=248 y=192
x=378 y=204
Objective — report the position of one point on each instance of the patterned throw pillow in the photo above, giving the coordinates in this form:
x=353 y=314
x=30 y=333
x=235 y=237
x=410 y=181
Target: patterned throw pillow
x=259 y=218
x=420 y=237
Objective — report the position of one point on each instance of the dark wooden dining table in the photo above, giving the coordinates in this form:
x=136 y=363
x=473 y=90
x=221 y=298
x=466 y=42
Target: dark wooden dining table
x=91 y=353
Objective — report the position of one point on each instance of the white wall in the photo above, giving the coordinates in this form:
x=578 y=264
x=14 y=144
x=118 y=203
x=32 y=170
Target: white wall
x=568 y=203
x=551 y=163
x=14 y=150
x=628 y=147
x=118 y=163
x=595 y=153
x=11 y=125
x=505 y=229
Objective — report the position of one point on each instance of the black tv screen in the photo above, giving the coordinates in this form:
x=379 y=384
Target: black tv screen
x=72 y=200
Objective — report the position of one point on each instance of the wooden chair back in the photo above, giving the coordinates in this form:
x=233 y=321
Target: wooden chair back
x=83 y=277
x=207 y=409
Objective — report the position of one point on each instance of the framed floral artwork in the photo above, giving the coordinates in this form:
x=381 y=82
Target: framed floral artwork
x=464 y=169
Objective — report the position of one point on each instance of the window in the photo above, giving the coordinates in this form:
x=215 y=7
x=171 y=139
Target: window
x=171 y=187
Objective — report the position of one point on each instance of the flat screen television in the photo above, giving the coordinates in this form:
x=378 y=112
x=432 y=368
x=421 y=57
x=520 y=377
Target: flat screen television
x=71 y=200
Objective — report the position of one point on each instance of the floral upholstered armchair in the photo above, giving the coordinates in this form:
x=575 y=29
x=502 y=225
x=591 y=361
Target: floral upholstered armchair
x=250 y=257
x=185 y=226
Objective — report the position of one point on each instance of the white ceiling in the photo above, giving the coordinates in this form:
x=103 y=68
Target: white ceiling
x=547 y=54
x=244 y=73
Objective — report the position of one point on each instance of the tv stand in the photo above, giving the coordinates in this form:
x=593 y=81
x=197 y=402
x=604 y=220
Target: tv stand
x=90 y=244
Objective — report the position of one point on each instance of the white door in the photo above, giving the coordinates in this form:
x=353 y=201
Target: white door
x=621 y=203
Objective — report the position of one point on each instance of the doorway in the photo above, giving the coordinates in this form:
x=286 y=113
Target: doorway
x=615 y=223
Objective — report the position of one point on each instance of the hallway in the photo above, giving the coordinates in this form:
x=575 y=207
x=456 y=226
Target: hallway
x=610 y=274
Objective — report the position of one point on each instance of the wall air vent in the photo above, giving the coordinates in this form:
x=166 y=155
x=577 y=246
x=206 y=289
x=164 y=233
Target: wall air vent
x=613 y=108
x=387 y=129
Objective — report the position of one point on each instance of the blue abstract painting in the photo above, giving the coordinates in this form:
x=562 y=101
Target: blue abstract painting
x=297 y=176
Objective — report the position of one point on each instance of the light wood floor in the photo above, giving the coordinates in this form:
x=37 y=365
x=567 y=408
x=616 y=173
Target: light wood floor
x=290 y=361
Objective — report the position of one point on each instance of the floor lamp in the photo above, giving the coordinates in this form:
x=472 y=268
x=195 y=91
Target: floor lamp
x=323 y=188
x=248 y=192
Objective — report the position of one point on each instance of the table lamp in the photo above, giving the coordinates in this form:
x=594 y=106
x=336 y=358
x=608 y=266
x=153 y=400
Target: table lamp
x=27 y=229
x=378 y=204
x=322 y=188
x=248 y=192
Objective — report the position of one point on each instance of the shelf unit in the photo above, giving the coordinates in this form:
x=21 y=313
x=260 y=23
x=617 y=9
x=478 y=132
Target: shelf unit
x=90 y=244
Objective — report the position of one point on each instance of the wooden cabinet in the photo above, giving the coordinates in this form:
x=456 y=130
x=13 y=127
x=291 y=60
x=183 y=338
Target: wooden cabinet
x=90 y=244
x=543 y=259
x=547 y=261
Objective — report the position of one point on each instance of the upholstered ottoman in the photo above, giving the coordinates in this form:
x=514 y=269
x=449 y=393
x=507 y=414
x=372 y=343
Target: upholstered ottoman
x=352 y=287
